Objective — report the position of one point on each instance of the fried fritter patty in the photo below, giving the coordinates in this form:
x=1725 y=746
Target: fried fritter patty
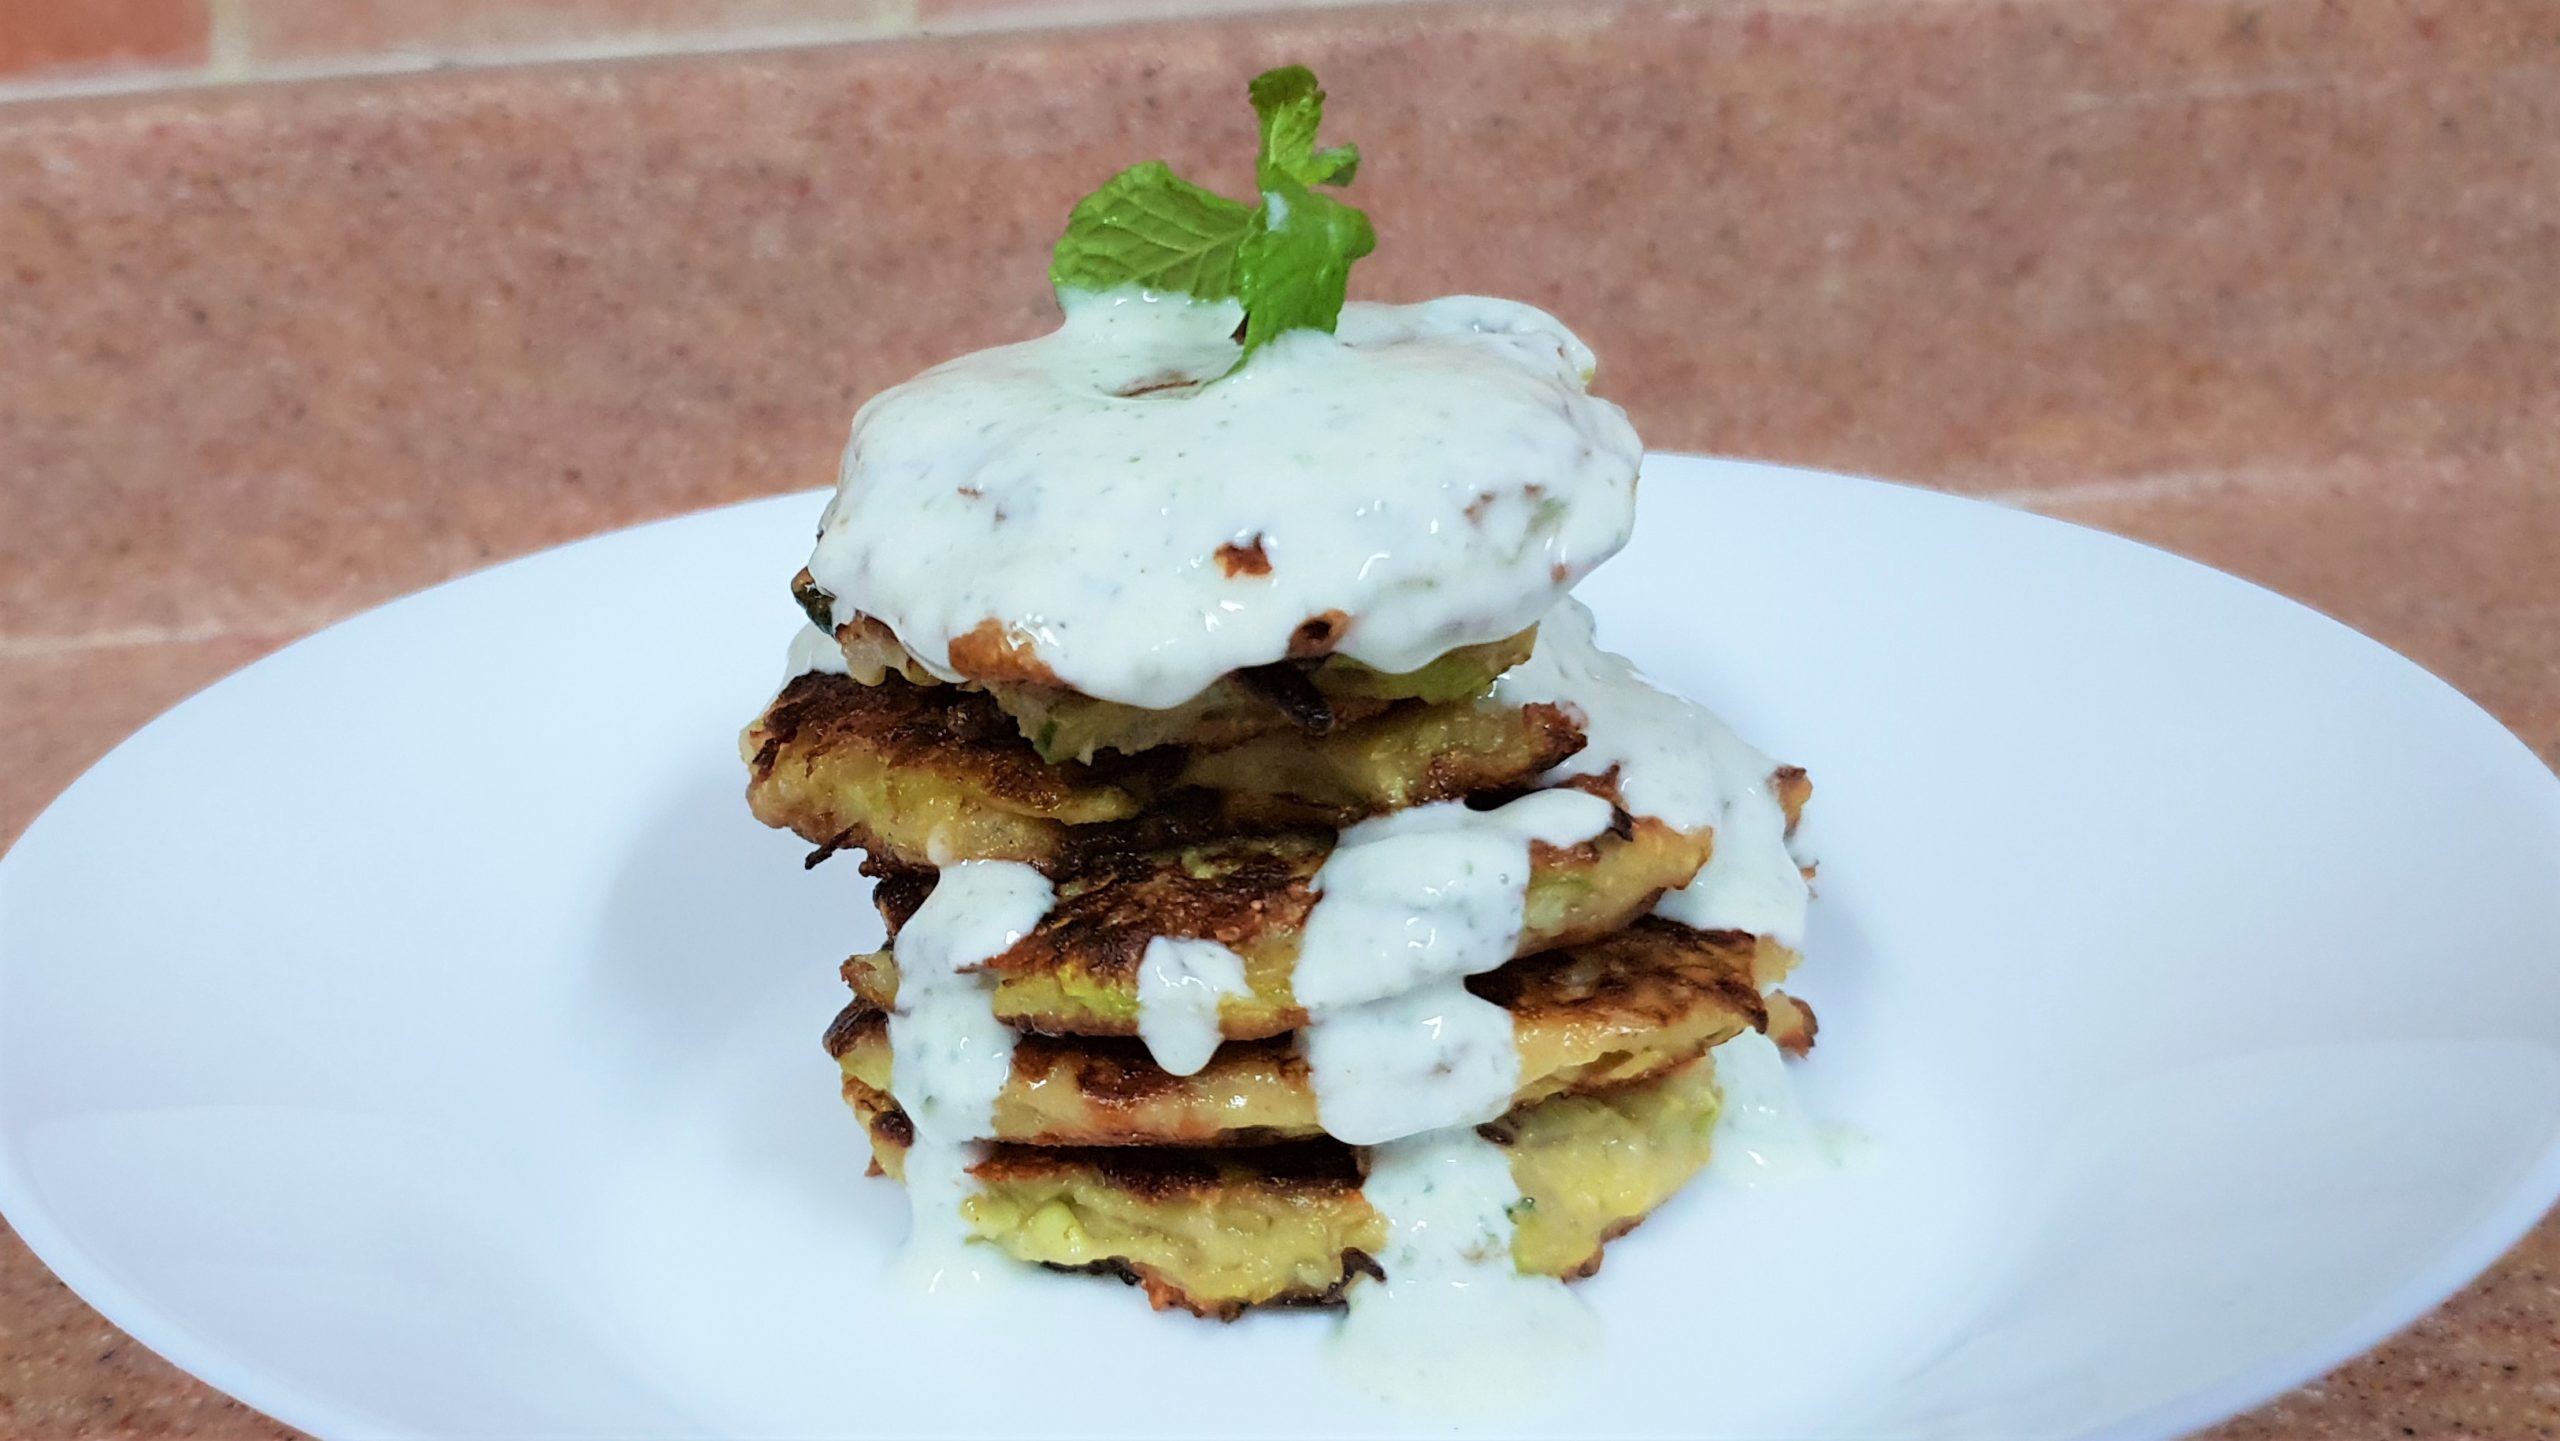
x=1309 y=695
x=920 y=775
x=1606 y=1013
x=1215 y=1231
x=1077 y=972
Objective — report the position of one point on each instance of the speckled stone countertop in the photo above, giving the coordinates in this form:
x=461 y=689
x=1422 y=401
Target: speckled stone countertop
x=2276 y=285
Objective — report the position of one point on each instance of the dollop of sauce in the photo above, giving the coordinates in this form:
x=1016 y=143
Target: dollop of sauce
x=952 y=1056
x=813 y=651
x=1676 y=761
x=1763 y=1132
x=1180 y=982
x=1455 y=1326
x=1407 y=906
x=1431 y=475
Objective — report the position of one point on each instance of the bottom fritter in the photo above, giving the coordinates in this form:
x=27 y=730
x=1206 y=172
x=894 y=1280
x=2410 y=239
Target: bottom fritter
x=1216 y=1231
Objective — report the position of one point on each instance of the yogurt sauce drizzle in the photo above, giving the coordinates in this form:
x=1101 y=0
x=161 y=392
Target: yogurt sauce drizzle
x=952 y=1054
x=1180 y=982
x=1437 y=471
x=1406 y=1060
x=1763 y=1133
x=1409 y=905
x=1676 y=761
x=1455 y=1326
x=814 y=651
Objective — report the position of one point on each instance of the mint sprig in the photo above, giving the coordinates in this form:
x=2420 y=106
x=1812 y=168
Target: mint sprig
x=1287 y=260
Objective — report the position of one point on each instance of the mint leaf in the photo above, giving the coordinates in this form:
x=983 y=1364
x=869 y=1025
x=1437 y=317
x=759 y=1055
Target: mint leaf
x=1294 y=269
x=1149 y=227
x=1291 y=107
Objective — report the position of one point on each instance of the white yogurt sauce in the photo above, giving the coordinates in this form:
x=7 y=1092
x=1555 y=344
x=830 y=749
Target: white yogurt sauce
x=1763 y=1133
x=1409 y=905
x=1455 y=1326
x=1676 y=761
x=1180 y=982
x=813 y=651
x=1436 y=472
x=1437 y=1056
x=952 y=1056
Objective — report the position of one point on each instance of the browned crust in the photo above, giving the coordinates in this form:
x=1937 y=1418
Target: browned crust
x=1301 y=1169
x=960 y=735
x=1795 y=789
x=1119 y=1074
x=1311 y=1172
x=1290 y=690
x=1653 y=974
x=1559 y=739
x=993 y=651
x=1792 y=1023
x=1164 y=1295
x=1246 y=559
x=1253 y=895
x=1110 y=1073
x=1600 y=1017
x=1232 y=892
x=828 y=742
x=1318 y=634
x=858 y=1022
x=897 y=891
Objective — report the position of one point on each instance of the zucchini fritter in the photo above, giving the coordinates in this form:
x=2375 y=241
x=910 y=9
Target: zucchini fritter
x=1310 y=696
x=919 y=775
x=1077 y=972
x=1216 y=1231
x=1601 y=1014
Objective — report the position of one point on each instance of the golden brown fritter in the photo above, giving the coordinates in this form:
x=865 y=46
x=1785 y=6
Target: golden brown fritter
x=1077 y=972
x=916 y=772
x=1216 y=1231
x=1310 y=693
x=1599 y=1015
x=922 y=775
x=1413 y=754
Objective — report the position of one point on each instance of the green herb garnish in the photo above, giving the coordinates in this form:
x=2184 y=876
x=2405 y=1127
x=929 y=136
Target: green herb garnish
x=1148 y=226
x=1287 y=260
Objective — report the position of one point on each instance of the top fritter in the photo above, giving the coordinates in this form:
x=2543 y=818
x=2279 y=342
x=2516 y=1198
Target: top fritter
x=1119 y=509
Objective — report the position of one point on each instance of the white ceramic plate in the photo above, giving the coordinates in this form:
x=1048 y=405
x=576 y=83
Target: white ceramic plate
x=413 y=1035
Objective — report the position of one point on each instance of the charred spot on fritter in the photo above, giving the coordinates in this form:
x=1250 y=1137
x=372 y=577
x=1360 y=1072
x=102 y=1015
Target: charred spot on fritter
x=993 y=651
x=1246 y=559
x=826 y=849
x=1653 y=973
x=1318 y=634
x=1794 y=789
x=1792 y=1024
x=898 y=891
x=1292 y=692
x=859 y=1022
x=1108 y=910
x=893 y=1127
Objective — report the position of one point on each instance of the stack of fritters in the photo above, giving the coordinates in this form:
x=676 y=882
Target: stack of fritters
x=1219 y=1189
